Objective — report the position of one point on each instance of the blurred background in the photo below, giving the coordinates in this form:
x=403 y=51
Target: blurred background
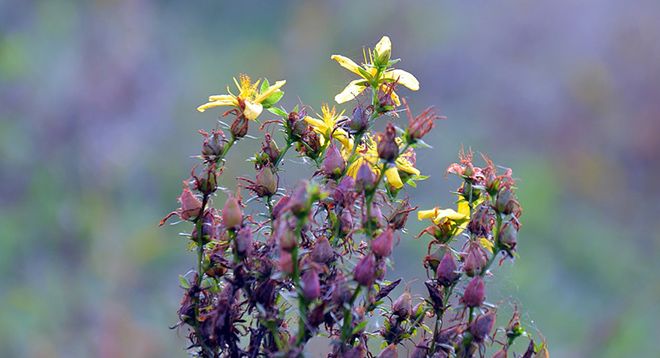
x=98 y=123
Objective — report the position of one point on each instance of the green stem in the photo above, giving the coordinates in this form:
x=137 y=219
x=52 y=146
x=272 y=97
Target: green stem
x=348 y=318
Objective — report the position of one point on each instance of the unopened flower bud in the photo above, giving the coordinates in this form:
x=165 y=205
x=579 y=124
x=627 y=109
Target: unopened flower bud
x=506 y=202
x=382 y=245
x=447 y=273
x=365 y=271
x=239 y=127
x=266 y=182
x=482 y=325
x=389 y=352
x=322 y=251
x=232 y=216
x=402 y=307
x=365 y=178
x=382 y=52
x=190 y=205
x=269 y=147
x=387 y=148
x=333 y=164
x=244 y=241
x=311 y=286
x=474 y=294
x=481 y=221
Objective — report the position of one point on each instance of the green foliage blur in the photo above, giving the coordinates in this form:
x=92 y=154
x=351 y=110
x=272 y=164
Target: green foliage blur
x=98 y=123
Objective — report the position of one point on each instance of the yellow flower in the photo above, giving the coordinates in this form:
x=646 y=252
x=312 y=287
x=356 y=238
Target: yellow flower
x=375 y=73
x=457 y=219
x=326 y=126
x=368 y=152
x=253 y=98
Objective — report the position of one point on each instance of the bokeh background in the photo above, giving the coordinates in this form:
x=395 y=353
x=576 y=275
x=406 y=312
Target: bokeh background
x=97 y=126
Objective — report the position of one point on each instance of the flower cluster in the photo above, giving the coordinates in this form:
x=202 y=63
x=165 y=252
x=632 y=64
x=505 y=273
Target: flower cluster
x=282 y=266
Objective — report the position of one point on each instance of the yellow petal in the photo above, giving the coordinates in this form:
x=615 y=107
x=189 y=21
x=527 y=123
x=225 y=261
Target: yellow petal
x=405 y=166
x=347 y=63
x=450 y=214
x=269 y=91
x=252 y=110
x=221 y=97
x=403 y=77
x=487 y=244
x=351 y=91
x=318 y=125
x=342 y=137
x=427 y=214
x=383 y=46
x=213 y=104
x=393 y=178
x=463 y=207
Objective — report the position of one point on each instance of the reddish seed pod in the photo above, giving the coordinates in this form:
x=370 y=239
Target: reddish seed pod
x=311 y=286
x=333 y=163
x=365 y=271
x=387 y=148
x=365 y=178
x=190 y=205
x=382 y=245
x=402 y=307
x=322 y=251
x=232 y=216
x=447 y=273
x=474 y=294
x=266 y=182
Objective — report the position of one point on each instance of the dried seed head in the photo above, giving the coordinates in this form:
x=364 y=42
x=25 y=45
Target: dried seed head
x=508 y=236
x=244 y=241
x=269 y=147
x=506 y=202
x=389 y=352
x=213 y=145
x=266 y=182
x=474 y=294
x=482 y=325
x=474 y=259
x=387 y=148
x=239 y=127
